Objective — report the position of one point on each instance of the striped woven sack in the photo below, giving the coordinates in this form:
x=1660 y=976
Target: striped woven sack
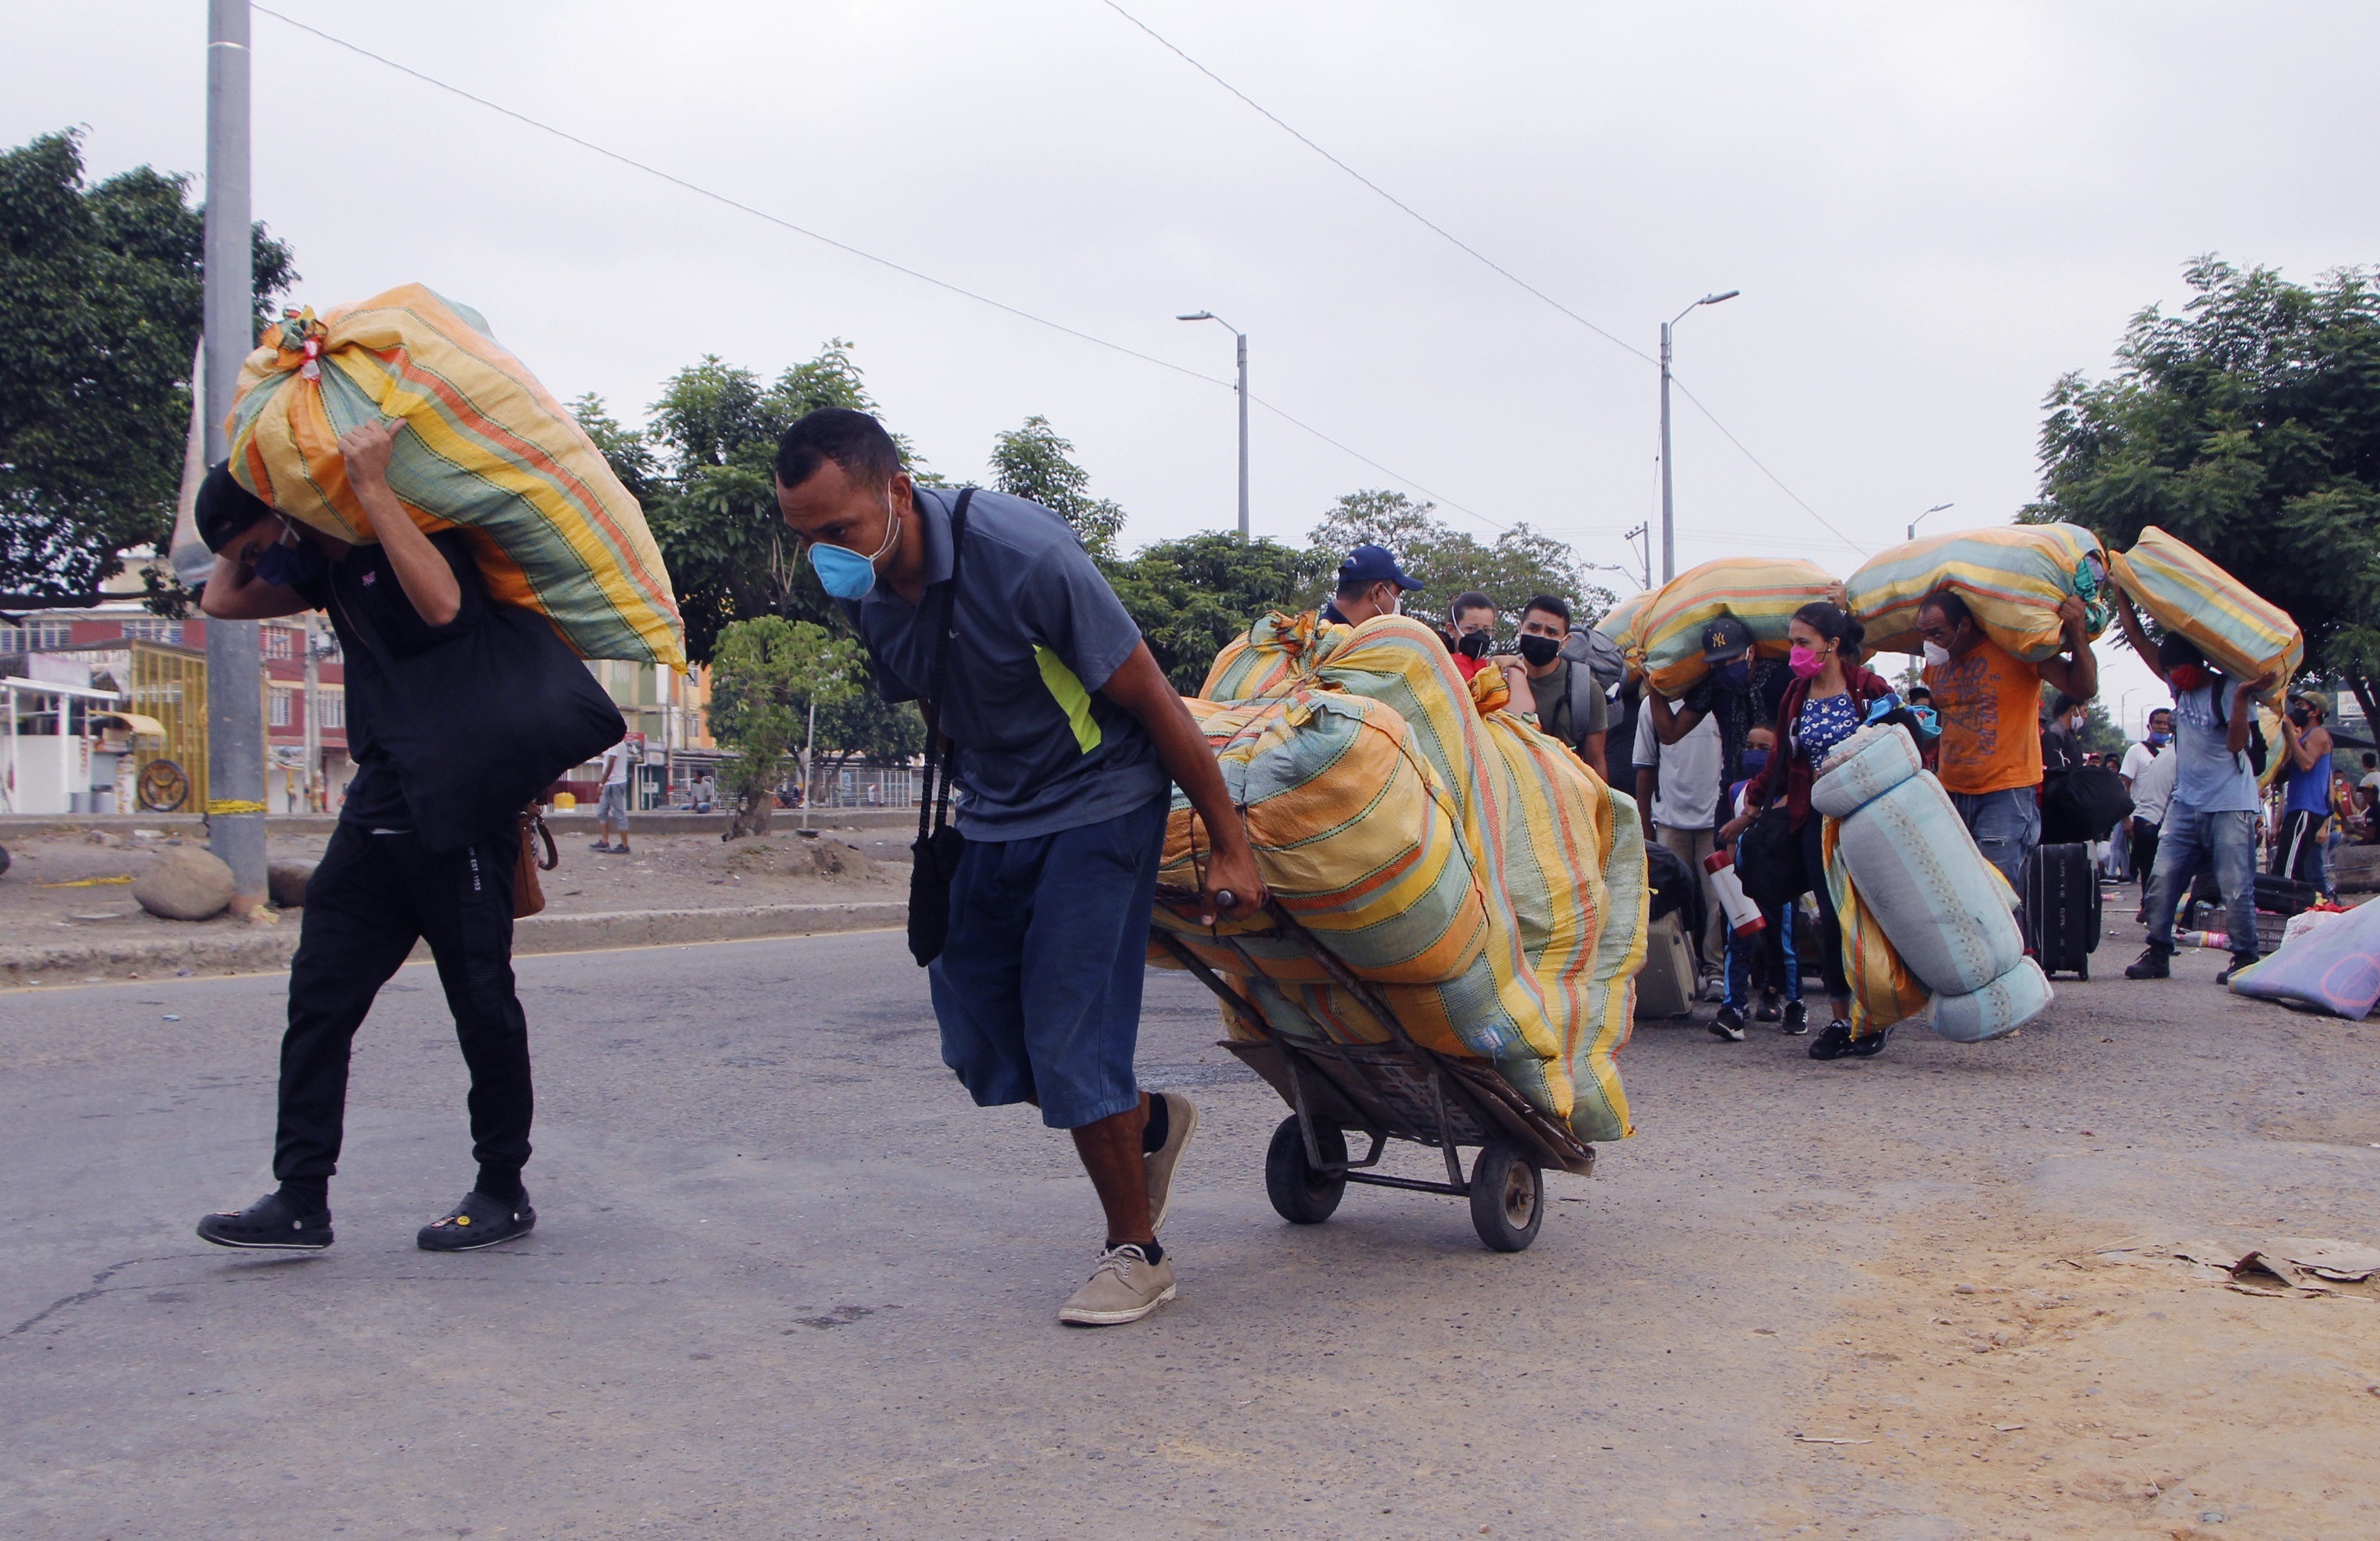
x=2012 y=577
x=1619 y=623
x=1883 y=990
x=490 y=451
x=1762 y=592
x=2240 y=634
x=1557 y=858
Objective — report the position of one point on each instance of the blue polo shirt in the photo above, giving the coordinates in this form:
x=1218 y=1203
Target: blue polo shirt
x=1039 y=633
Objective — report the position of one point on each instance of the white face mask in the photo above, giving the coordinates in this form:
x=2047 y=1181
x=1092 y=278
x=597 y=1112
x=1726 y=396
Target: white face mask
x=1937 y=655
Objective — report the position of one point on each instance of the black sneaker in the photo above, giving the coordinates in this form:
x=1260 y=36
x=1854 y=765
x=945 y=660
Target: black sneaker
x=2238 y=961
x=1767 y=1009
x=476 y=1223
x=270 y=1224
x=2155 y=964
x=1797 y=1019
x=1834 y=1043
x=1728 y=1024
x=1871 y=1046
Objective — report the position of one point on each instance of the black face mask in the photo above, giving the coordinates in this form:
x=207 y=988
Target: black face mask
x=2300 y=715
x=1473 y=644
x=1539 y=651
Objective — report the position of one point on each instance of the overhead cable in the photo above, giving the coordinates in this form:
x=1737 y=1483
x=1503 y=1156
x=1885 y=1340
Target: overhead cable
x=845 y=246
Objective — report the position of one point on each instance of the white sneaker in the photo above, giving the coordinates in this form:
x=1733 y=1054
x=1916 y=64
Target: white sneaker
x=1182 y=1116
x=1125 y=1287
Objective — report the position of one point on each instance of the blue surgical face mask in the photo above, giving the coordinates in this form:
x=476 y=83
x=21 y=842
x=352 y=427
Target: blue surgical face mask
x=288 y=562
x=845 y=572
x=1733 y=675
x=2160 y=740
x=1754 y=761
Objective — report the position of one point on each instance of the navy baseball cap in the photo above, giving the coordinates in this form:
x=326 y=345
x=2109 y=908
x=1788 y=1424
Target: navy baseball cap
x=1373 y=565
x=1725 y=639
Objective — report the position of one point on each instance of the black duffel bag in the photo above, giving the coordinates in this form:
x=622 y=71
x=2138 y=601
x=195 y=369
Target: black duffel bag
x=2082 y=805
x=1769 y=863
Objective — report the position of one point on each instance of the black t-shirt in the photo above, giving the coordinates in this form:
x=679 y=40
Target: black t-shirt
x=361 y=593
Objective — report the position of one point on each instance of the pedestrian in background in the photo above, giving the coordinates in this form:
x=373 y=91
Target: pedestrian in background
x=612 y=803
x=1678 y=790
x=1568 y=700
x=1370 y=584
x=1989 y=702
x=2210 y=820
x=2305 y=801
x=1067 y=738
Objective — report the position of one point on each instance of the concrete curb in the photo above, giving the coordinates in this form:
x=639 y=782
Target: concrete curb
x=226 y=949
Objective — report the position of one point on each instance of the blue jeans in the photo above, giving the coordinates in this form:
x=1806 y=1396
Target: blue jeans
x=2189 y=840
x=1776 y=941
x=2006 y=824
x=1037 y=990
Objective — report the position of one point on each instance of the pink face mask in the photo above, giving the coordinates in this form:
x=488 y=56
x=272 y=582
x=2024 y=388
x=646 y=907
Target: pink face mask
x=1805 y=663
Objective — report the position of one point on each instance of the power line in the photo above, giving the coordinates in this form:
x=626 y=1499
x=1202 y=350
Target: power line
x=1772 y=476
x=845 y=246
x=1407 y=208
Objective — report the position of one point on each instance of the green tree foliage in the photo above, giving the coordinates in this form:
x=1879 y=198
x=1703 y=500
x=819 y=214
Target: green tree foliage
x=100 y=308
x=1191 y=596
x=864 y=726
x=1034 y=463
x=2247 y=425
x=765 y=671
x=1520 y=565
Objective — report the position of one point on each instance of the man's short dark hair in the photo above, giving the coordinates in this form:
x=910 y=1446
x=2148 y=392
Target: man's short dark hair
x=2371 y=760
x=1551 y=605
x=2155 y=713
x=1919 y=693
x=854 y=441
x=1950 y=602
x=2063 y=704
x=1468 y=600
x=2176 y=652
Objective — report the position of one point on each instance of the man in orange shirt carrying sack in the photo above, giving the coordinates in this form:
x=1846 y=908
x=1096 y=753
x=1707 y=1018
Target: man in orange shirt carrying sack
x=1989 y=702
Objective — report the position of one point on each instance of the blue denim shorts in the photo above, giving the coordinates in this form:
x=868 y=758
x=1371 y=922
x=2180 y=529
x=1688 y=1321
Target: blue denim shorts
x=1037 y=990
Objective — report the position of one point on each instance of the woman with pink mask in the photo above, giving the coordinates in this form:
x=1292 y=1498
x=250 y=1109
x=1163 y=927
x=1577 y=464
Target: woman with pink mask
x=1825 y=703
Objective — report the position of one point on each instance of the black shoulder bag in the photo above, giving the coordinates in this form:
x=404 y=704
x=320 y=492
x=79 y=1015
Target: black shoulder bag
x=934 y=858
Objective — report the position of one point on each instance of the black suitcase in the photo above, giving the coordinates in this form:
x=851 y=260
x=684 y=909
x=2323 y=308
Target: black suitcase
x=2062 y=908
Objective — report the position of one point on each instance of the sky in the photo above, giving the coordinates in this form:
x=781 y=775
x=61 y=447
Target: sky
x=1932 y=213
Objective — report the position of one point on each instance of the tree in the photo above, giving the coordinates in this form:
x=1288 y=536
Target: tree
x=864 y=726
x=765 y=672
x=1521 y=564
x=1034 y=463
x=2249 y=426
x=100 y=293
x=1191 y=596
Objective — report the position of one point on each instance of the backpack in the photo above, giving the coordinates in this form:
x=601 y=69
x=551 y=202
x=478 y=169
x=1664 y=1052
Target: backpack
x=2259 y=754
x=1600 y=654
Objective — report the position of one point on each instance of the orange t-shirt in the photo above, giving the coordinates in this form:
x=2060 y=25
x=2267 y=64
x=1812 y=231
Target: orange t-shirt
x=1990 y=705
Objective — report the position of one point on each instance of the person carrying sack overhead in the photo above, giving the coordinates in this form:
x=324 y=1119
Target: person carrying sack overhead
x=1826 y=702
x=460 y=712
x=986 y=609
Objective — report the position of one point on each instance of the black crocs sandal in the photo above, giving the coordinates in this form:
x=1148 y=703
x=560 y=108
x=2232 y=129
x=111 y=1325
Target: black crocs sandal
x=476 y=1223
x=1834 y=1042
x=270 y=1224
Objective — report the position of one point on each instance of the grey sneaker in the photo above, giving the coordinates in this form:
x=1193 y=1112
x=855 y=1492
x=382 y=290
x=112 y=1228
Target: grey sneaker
x=1182 y=1116
x=1125 y=1287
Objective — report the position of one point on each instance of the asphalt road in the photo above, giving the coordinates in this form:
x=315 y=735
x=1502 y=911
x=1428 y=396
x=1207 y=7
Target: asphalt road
x=789 y=1283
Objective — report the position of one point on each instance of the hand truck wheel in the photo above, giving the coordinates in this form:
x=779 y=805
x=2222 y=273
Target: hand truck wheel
x=1507 y=1197
x=1304 y=1196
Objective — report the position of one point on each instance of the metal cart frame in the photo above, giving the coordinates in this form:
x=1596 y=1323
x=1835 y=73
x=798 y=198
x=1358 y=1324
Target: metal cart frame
x=1396 y=1090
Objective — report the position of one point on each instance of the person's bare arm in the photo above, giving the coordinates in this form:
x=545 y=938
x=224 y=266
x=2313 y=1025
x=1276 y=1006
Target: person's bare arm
x=1670 y=726
x=1592 y=752
x=1648 y=781
x=2135 y=634
x=2243 y=710
x=1140 y=688
x=422 y=570
x=2078 y=673
x=2303 y=752
x=233 y=592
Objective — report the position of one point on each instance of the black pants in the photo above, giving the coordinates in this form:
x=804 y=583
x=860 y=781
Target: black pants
x=1831 y=927
x=2145 y=843
x=370 y=900
x=2299 y=854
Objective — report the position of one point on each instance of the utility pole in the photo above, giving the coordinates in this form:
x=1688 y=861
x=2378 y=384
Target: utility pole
x=234 y=687
x=313 y=714
x=1242 y=338
x=809 y=742
x=1644 y=533
x=1669 y=505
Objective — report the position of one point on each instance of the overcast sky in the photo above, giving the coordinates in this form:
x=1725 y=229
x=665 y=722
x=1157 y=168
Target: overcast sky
x=1933 y=212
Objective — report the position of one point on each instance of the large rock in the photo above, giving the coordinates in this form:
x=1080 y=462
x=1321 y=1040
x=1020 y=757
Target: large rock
x=287 y=882
x=184 y=883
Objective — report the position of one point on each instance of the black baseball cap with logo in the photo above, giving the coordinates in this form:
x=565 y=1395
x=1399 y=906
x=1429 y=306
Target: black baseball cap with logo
x=1725 y=639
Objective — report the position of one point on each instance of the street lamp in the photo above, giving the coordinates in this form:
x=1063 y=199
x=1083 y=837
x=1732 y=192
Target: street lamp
x=1242 y=338
x=1921 y=518
x=1668 y=523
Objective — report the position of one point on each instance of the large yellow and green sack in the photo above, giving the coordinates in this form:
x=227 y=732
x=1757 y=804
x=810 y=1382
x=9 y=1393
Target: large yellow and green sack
x=1762 y=592
x=2012 y=577
x=1619 y=623
x=1527 y=871
x=490 y=451
x=2244 y=635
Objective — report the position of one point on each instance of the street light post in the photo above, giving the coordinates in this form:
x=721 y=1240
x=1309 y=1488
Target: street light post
x=1242 y=338
x=235 y=805
x=1921 y=518
x=1669 y=521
